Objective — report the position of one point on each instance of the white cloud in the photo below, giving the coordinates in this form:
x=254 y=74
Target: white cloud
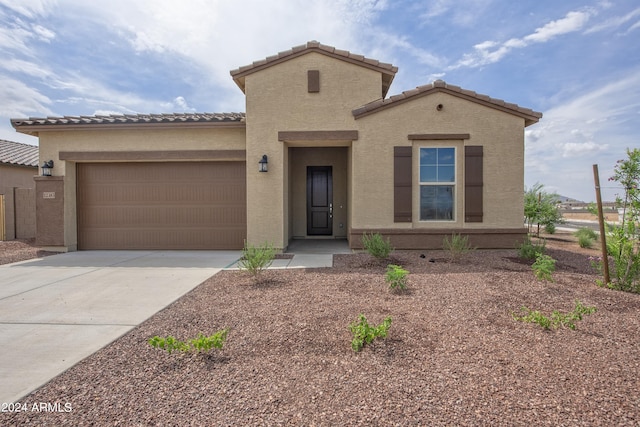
x=595 y=127
x=29 y=8
x=573 y=21
x=19 y=100
x=489 y=52
x=616 y=22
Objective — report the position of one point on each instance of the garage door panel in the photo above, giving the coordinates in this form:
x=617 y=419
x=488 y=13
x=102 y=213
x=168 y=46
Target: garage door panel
x=178 y=205
x=153 y=216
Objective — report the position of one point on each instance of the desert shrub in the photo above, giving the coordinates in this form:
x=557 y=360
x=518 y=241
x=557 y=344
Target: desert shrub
x=550 y=228
x=586 y=237
x=587 y=232
x=255 y=259
x=201 y=343
x=363 y=333
x=557 y=319
x=585 y=241
x=530 y=250
x=376 y=245
x=457 y=245
x=396 y=277
x=543 y=267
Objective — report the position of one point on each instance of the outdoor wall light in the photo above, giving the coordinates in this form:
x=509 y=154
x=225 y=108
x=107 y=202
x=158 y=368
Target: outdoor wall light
x=46 y=168
x=263 y=163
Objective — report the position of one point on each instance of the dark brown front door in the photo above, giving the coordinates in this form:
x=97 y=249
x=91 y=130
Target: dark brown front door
x=319 y=201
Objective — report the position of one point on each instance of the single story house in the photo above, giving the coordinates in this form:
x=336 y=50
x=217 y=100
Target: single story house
x=321 y=152
x=18 y=166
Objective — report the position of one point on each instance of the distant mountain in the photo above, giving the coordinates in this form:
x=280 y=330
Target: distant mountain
x=565 y=199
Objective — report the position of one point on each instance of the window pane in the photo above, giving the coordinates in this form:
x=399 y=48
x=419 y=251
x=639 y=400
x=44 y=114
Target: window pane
x=436 y=202
x=437 y=165
x=428 y=174
x=428 y=156
x=446 y=156
x=446 y=174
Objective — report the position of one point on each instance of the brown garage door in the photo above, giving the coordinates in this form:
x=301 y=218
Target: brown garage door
x=176 y=205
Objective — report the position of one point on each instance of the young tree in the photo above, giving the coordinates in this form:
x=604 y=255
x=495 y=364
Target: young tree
x=623 y=242
x=541 y=208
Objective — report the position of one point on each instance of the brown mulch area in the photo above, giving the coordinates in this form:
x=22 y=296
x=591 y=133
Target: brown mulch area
x=454 y=354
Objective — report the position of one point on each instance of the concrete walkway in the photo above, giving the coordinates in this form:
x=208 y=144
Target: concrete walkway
x=55 y=311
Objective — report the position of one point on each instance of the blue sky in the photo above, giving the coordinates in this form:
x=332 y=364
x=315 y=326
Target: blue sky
x=578 y=62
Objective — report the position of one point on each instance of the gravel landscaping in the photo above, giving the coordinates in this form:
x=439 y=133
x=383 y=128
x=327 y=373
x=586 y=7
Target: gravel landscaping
x=454 y=354
x=20 y=250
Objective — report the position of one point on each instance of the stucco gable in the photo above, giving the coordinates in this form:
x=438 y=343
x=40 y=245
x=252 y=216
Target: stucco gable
x=529 y=115
x=388 y=71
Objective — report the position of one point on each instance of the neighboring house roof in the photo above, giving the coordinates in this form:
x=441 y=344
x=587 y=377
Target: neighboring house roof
x=18 y=154
x=388 y=71
x=529 y=115
x=34 y=124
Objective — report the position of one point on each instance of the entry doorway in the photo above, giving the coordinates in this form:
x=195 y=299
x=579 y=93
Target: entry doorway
x=319 y=200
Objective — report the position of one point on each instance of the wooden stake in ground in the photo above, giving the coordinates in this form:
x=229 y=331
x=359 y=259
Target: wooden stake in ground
x=603 y=238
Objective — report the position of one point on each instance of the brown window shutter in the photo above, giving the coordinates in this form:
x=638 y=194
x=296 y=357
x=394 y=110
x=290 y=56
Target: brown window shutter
x=473 y=183
x=402 y=178
x=313 y=80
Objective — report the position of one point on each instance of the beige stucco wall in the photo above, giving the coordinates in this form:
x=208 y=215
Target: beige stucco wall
x=278 y=100
x=501 y=134
x=14 y=177
x=180 y=138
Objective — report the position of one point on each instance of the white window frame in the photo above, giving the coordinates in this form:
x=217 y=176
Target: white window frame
x=453 y=184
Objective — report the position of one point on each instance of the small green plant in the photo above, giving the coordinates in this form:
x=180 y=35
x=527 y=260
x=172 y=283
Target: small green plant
x=376 y=245
x=530 y=250
x=201 y=343
x=543 y=267
x=550 y=228
x=255 y=259
x=396 y=277
x=586 y=237
x=206 y=343
x=457 y=245
x=557 y=319
x=170 y=344
x=363 y=333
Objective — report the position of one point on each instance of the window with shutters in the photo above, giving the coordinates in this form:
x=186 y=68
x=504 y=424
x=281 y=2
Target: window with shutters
x=437 y=183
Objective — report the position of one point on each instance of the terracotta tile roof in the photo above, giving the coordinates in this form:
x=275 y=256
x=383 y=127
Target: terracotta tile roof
x=529 y=115
x=16 y=153
x=33 y=124
x=388 y=71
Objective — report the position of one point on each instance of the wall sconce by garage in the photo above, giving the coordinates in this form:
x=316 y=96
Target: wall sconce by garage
x=263 y=163
x=46 y=168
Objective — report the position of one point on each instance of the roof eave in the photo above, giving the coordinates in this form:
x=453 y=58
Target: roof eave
x=34 y=129
x=531 y=117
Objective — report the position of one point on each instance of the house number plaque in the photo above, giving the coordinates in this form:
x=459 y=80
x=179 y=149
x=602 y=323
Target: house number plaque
x=49 y=195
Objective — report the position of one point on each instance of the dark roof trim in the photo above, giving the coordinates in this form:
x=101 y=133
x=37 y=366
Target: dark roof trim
x=318 y=135
x=33 y=125
x=529 y=115
x=388 y=71
x=437 y=136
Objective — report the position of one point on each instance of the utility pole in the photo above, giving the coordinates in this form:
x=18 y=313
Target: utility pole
x=603 y=238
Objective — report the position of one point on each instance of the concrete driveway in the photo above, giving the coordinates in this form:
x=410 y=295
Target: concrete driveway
x=56 y=311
